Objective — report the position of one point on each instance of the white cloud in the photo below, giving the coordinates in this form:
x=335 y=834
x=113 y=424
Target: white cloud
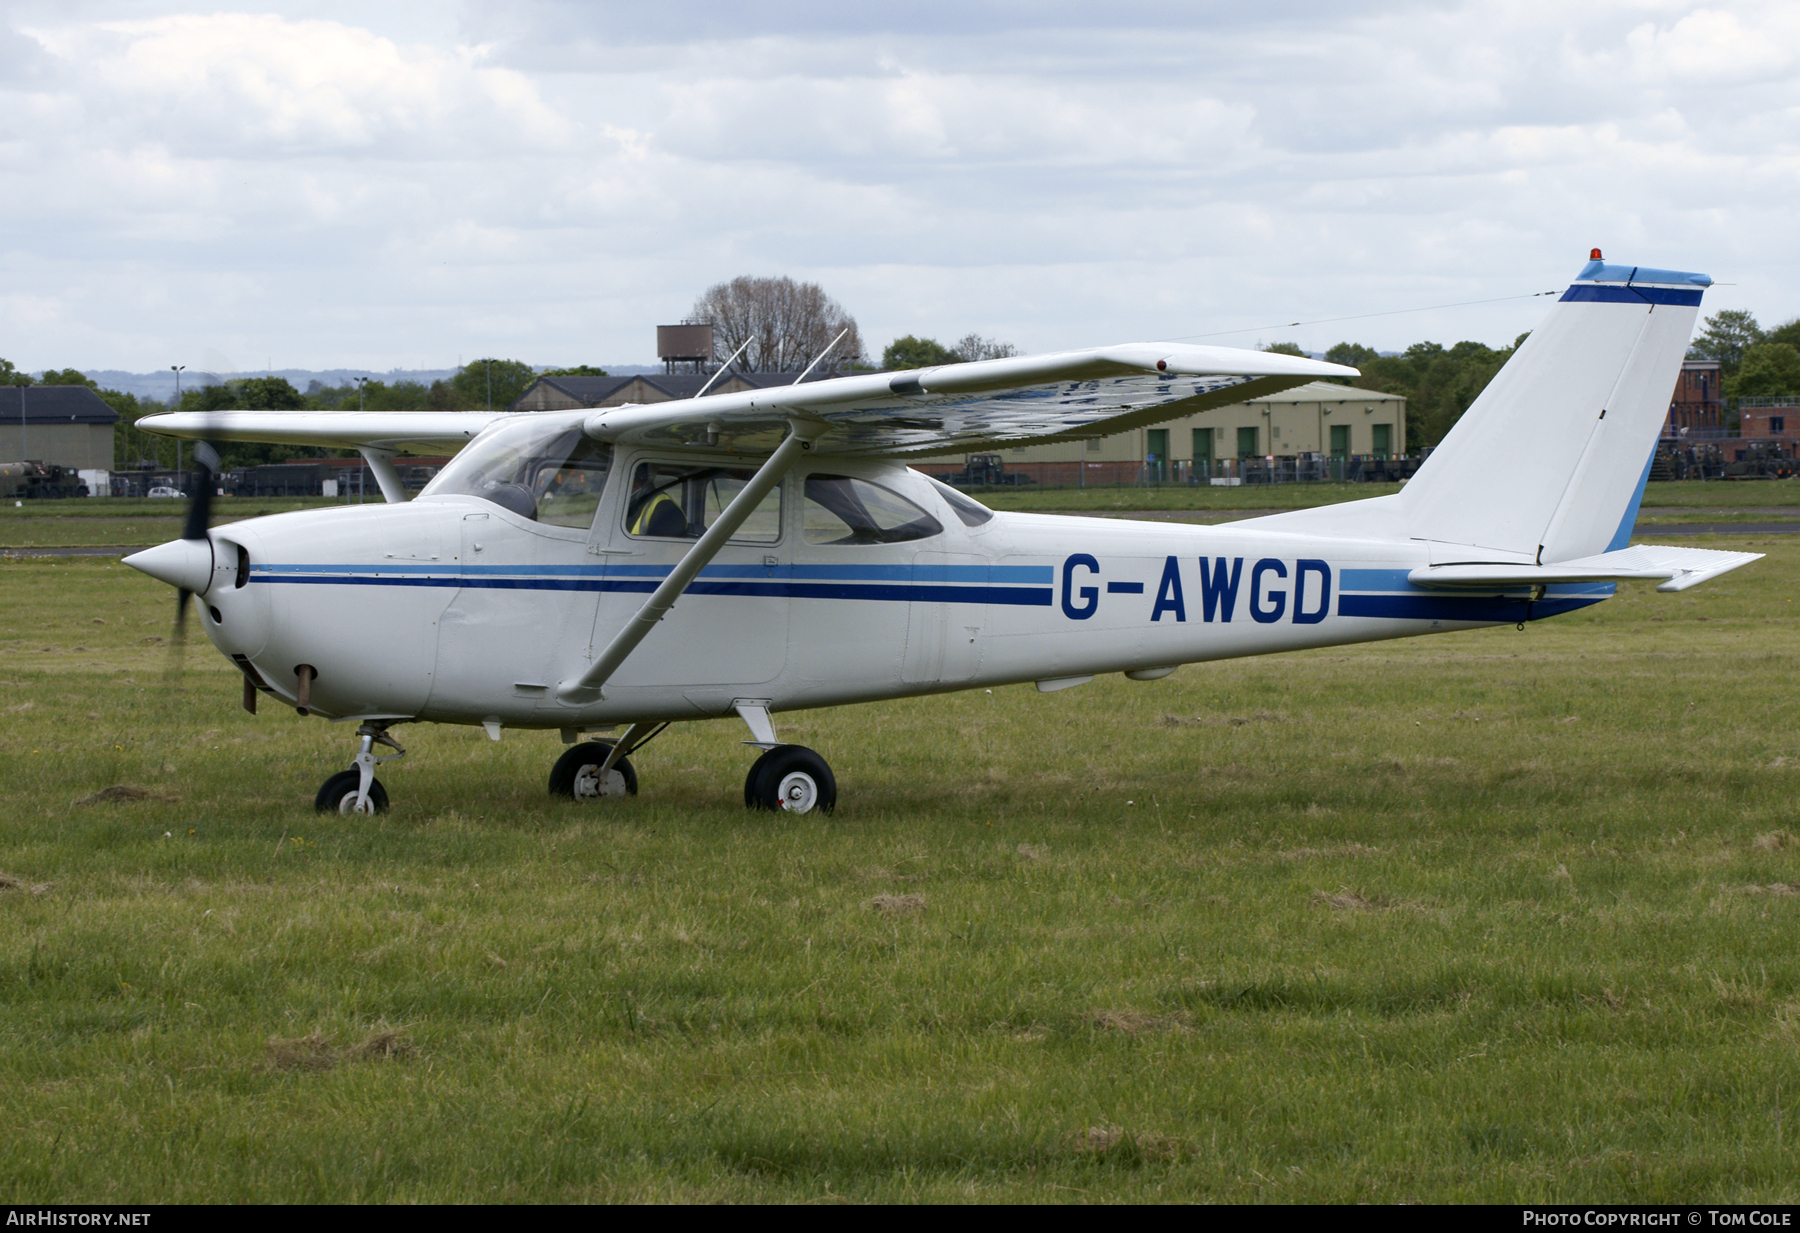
x=370 y=185
x=246 y=85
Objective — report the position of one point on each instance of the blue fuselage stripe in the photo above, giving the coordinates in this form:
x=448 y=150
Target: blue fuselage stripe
x=1042 y=575
x=1030 y=597
x=1451 y=608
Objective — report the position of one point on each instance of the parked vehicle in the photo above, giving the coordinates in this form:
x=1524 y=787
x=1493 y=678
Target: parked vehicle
x=40 y=480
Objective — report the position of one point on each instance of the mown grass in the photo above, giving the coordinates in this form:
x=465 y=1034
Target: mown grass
x=1498 y=916
x=128 y=523
x=125 y=521
x=1769 y=493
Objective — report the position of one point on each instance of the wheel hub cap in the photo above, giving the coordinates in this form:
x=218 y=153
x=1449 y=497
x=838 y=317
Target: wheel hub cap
x=589 y=785
x=798 y=793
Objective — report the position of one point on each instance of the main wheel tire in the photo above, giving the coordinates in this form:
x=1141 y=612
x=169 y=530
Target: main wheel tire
x=338 y=795
x=791 y=777
x=576 y=774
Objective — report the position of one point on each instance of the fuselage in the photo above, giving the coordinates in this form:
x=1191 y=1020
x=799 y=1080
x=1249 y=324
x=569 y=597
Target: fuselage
x=456 y=609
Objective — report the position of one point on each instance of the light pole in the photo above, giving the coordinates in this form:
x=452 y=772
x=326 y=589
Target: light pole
x=176 y=369
x=360 y=382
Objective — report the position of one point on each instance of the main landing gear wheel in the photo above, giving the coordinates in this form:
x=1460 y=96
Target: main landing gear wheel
x=577 y=774
x=790 y=777
x=339 y=794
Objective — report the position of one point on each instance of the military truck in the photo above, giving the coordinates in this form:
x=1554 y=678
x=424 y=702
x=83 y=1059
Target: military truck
x=35 y=480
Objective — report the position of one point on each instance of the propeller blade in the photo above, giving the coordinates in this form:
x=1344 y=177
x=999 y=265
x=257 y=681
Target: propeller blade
x=200 y=506
x=181 y=607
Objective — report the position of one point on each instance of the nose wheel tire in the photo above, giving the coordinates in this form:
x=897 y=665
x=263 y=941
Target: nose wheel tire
x=577 y=776
x=791 y=778
x=338 y=795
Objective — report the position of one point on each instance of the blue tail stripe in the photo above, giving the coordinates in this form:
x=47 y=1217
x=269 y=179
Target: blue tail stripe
x=1622 y=536
x=1630 y=295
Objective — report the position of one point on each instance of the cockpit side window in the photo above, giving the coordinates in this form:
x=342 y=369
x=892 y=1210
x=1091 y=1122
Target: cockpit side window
x=841 y=509
x=552 y=473
x=671 y=500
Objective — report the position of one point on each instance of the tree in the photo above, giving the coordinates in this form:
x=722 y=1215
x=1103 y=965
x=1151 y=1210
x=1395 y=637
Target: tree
x=1439 y=383
x=1355 y=355
x=580 y=370
x=910 y=352
x=1284 y=349
x=1768 y=368
x=972 y=346
x=12 y=376
x=245 y=394
x=1727 y=335
x=67 y=376
x=1788 y=332
x=787 y=324
x=510 y=378
x=400 y=396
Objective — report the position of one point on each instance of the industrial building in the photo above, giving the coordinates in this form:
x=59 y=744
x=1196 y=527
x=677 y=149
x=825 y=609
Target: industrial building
x=1319 y=418
x=568 y=393
x=69 y=425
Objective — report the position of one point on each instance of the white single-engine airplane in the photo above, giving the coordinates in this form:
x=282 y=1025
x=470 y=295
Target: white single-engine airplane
x=534 y=582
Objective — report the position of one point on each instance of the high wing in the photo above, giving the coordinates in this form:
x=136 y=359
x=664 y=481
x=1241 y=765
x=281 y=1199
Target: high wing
x=952 y=408
x=409 y=432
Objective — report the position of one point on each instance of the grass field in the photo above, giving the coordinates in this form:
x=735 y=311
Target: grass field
x=1502 y=916
x=1669 y=496
x=141 y=523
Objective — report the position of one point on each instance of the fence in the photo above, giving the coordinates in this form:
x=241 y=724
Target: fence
x=986 y=471
x=1733 y=458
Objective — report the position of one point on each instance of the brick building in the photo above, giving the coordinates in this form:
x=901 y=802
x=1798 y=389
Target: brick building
x=1698 y=402
x=1769 y=418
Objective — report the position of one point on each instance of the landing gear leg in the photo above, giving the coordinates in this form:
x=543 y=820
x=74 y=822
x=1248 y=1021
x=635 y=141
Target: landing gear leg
x=357 y=790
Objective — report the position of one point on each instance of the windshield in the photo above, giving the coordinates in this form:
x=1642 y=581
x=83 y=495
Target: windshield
x=548 y=471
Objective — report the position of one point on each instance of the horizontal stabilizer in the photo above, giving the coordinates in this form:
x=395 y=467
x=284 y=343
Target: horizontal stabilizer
x=1676 y=568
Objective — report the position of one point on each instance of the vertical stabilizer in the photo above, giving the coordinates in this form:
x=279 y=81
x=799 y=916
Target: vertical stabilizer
x=1553 y=455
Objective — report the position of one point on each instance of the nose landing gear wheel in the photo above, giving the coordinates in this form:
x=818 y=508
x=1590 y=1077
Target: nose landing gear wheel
x=338 y=795
x=791 y=777
x=577 y=774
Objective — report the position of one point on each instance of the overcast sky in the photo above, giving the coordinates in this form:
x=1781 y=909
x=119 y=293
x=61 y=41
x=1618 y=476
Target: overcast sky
x=406 y=184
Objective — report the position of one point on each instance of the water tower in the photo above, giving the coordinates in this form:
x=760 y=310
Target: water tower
x=685 y=348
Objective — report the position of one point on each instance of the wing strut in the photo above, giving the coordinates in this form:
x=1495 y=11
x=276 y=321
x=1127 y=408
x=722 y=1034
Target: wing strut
x=381 y=462
x=586 y=688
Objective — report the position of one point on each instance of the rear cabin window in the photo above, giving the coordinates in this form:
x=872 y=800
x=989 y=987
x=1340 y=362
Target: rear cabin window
x=972 y=512
x=840 y=509
x=679 y=501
